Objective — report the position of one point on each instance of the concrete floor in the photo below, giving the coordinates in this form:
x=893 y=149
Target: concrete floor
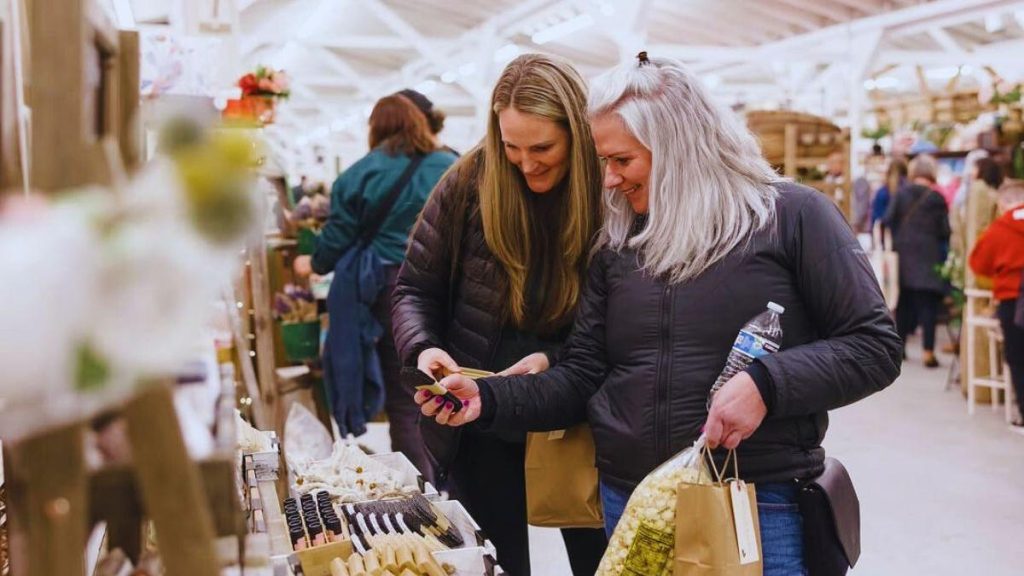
x=941 y=493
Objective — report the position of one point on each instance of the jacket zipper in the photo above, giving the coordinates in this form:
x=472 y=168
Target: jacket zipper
x=661 y=424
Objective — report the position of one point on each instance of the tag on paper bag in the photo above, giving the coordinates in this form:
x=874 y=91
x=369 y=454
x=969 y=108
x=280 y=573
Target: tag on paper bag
x=743 y=517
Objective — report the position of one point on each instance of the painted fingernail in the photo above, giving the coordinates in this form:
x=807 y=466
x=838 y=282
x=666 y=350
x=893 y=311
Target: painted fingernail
x=438 y=399
x=449 y=406
x=465 y=403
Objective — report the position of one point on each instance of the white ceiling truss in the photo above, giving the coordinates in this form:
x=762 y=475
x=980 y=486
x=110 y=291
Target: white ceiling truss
x=814 y=55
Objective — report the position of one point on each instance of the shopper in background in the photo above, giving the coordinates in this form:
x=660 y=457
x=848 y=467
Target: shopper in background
x=999 y=254
x=492 y=278
x=895 y=178
x=398 y=133
x=700 y=235
x=980 y=208
x=435 y=118
x=919 y=220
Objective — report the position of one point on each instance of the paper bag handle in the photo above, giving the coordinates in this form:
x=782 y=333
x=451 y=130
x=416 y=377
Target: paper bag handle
x=719 y=477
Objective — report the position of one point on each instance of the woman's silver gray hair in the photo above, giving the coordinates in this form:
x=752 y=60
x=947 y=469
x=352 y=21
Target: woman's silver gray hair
x=924 y=166
x=709 y=189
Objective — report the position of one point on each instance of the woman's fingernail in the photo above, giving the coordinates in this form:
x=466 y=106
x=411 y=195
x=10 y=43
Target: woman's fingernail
x=465 y=403
x=449 y=406
x=438 y=399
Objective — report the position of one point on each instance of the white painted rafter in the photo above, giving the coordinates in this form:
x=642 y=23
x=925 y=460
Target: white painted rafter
x=946 y=41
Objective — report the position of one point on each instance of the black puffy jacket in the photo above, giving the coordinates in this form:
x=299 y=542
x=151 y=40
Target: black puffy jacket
x=644 y=353
x=459 y=311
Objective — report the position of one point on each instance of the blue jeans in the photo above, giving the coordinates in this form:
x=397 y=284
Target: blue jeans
x=782 y=534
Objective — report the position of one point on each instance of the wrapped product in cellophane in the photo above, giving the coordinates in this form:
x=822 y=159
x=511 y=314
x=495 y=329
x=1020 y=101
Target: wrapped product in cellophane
x=644 y=539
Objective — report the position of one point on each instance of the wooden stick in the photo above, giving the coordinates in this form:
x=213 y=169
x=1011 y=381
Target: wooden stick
x=170 y=485
x=47 y=517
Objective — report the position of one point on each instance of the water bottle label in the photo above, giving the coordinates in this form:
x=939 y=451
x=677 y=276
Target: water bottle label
x=753 y=346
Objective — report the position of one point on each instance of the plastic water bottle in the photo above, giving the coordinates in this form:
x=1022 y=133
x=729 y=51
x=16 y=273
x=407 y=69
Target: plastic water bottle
x=761 y=336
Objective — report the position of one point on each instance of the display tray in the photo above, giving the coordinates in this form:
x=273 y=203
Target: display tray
x=408 y=475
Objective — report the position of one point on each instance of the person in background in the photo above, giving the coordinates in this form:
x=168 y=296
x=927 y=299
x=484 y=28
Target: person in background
x=861 y=205
x=492 y=278
x=700 y=234
x=895 y=178
x=919 y=220
x=980 y=208
x=398 y=132
x=999 y=255
x=435 y=117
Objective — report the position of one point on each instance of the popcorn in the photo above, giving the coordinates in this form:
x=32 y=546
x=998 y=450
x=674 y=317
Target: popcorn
x=644 y=539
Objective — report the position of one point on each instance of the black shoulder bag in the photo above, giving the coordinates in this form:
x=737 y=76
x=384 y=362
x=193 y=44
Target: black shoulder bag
x=831 y=514
x=369 y=229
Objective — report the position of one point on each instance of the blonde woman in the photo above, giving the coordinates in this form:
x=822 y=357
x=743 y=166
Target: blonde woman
x=700 y=234
x=491 y=280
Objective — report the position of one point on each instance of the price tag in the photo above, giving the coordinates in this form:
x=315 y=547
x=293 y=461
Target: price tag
x=743 y=518
x=556 y=434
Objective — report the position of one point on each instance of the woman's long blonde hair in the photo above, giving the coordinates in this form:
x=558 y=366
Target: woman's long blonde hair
x=549 y=88
x=709 y=187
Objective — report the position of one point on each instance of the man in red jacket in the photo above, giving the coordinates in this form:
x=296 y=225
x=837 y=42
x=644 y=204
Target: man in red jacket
x=999 y=254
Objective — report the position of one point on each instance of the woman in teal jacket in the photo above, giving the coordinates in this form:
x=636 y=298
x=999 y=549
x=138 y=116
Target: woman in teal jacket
x=398 y=132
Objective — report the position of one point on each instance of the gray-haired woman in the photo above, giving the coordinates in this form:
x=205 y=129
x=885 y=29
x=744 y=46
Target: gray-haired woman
x=700 y=234
x=919 y=220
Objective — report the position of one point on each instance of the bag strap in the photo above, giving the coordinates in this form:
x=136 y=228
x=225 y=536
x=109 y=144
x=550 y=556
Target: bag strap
x=370 y=229
x=913 y=207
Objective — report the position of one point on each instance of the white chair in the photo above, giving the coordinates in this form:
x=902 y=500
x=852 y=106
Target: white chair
x=998 y=377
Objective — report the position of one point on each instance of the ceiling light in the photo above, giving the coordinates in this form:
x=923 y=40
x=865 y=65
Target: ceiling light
x=563 y=29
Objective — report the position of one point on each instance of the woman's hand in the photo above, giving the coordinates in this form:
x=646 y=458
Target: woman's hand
x=464 y=388
x=736 y=411
x=436 y=362
x=302 y=266
x=532 y=364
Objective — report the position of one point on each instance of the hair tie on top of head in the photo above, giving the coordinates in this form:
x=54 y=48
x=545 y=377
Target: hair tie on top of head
x=642 y=57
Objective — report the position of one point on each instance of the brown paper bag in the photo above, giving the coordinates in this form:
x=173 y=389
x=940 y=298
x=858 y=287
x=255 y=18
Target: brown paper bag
x=561 y=480
x=706 y=541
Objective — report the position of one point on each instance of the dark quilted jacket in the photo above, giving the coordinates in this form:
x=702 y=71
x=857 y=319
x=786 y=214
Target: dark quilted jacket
x=424 y=293
x=644 y=353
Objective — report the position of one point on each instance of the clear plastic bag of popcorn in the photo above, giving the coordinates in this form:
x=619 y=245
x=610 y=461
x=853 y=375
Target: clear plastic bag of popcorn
x=643 y=543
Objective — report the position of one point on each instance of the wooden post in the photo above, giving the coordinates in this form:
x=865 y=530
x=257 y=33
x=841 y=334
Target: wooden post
x=130 y=134
x=73 y=93
x=263 y=326
x=789 y=162
x=169 y=482
x=46 y=481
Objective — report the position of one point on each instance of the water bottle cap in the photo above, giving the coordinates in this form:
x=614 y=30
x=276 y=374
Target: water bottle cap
x=776 y=308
